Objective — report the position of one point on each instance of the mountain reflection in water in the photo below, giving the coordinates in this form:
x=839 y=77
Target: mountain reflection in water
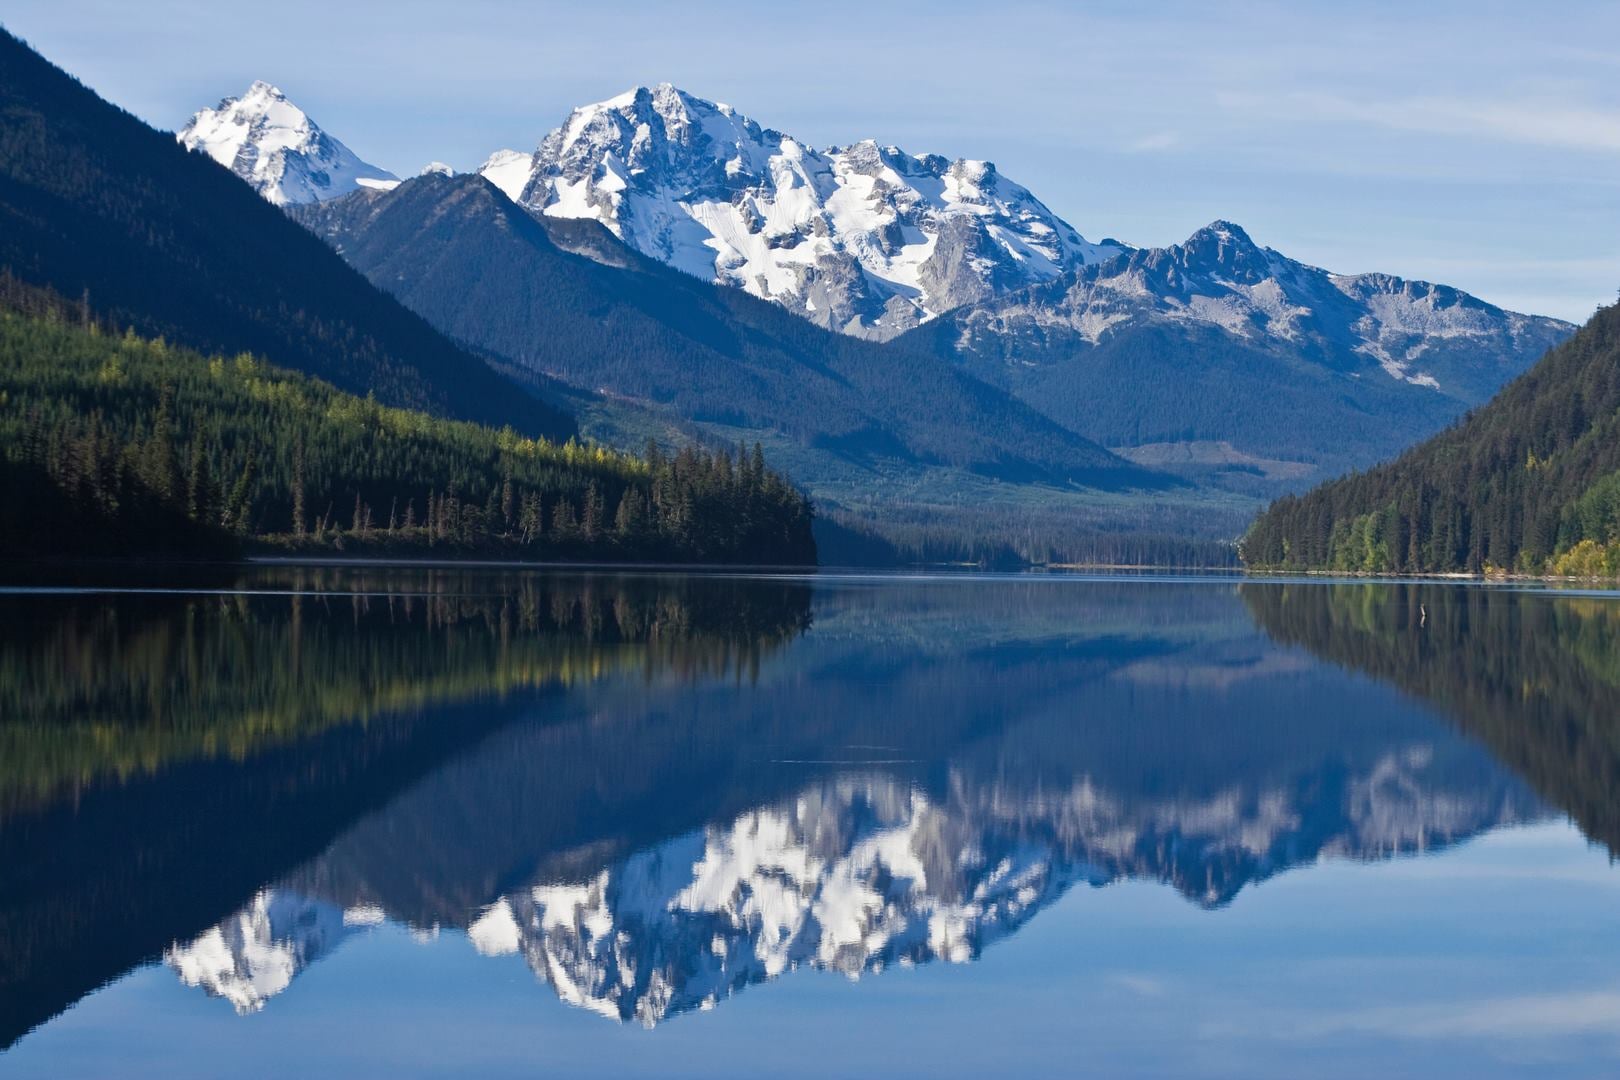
x=659 y=791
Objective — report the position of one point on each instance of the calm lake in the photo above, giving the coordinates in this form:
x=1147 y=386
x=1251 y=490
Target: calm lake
x=371 y=821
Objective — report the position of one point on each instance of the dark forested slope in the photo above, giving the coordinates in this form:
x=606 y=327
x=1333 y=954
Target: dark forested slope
x=95 y=203
x=1529 y=482
x=111 y=444
x=567 y=299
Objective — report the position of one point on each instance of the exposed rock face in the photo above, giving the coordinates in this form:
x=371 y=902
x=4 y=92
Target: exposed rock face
x=865 y=239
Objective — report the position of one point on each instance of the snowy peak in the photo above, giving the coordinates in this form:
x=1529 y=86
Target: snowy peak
x=661 y=126
x=863 y=238
x=1432 y=337
x=274 y=145
x=508 y=170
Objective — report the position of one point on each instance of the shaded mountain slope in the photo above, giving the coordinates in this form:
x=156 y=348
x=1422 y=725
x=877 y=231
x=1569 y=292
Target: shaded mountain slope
x=1220 y=341
x=568 y=300
x=95 y=203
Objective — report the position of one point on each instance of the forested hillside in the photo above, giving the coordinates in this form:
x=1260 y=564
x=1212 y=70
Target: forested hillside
x=113 y=444
x=1530 y=482
x=96 y=204
x=566 y=299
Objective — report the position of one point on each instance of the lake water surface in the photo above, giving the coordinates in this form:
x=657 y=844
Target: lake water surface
x=370 y=821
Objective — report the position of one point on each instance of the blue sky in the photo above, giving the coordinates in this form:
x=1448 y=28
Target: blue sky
x=1476 y=144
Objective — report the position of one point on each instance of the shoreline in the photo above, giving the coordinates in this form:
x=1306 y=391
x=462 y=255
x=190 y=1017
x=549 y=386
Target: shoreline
x=16 y=571
x=1451 y=576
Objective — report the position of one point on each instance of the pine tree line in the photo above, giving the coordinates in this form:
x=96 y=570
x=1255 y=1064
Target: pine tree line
x=112 y=443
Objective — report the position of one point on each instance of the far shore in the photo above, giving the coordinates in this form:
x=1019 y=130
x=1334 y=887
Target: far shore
x=13 y=573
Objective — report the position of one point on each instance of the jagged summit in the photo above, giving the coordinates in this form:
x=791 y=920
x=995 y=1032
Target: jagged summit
x=862 y=238
x=273 y=144
x=1428 y=336
x=1221 y=229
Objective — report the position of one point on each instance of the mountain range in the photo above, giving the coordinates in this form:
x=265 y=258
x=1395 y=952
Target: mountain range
x=1217 y=360
x=1218 y=347
x=563 y=300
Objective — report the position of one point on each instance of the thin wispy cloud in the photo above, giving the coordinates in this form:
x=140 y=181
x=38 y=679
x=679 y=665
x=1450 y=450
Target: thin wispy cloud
x=1558 y=124
x=1141 y=985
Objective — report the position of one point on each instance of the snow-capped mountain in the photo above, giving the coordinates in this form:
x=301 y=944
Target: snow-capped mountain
x=863 y=238
x=863 y=873
x=1217 y=359
x=1221 y=278
x=274 y=145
